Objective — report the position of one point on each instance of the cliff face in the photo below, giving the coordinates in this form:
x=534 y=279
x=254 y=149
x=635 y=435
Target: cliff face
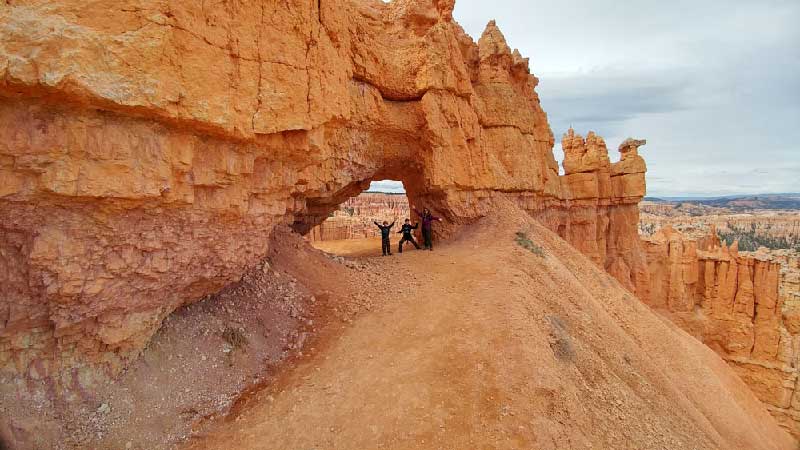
x=742 y=306
x=354 y=218
x=148 y=151
x=601 y=215
x=755 y=228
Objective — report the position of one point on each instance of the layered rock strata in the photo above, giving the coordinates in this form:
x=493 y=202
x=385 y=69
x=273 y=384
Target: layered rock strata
x=600 y=215
x=354 y=218
x=745 y=307
x=148 y=151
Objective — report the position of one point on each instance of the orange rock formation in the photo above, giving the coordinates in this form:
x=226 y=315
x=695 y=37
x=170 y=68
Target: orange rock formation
x=354 y=218
x=147 y=152
x=601 y=218
x=733 y=304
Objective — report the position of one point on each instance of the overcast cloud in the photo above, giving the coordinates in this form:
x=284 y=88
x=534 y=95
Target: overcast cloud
x=713 y=85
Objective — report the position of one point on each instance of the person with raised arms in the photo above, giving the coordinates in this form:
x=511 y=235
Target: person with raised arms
x=427 y=226
x=386 y=243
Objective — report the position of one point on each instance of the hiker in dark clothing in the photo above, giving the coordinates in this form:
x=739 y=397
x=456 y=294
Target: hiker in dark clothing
x=427 y=222
x=407 y=236
x=386 y=244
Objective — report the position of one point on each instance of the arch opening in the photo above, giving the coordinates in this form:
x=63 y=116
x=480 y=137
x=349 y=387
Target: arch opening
x=350 y=230
x=342 y=223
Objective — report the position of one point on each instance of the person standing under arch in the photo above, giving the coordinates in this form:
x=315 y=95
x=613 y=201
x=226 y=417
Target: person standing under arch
x=427 y=226
x=407 y=236
x=386 y=244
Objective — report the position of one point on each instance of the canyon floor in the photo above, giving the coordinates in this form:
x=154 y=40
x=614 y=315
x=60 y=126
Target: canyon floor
x=485 y=344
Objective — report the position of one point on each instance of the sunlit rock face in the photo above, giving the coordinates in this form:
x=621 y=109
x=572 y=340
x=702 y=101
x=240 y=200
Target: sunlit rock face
x=148 y=151
x=744 y=306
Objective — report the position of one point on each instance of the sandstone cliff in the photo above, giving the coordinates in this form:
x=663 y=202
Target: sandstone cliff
x=354 y=218
x=745 y=307
x=601 y=215
x=149 y=149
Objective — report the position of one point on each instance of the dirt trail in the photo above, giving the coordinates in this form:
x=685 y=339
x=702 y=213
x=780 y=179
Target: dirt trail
x=352 y=247
x=483 y=344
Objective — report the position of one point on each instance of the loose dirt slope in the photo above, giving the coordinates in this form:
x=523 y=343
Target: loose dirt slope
x=483 y=344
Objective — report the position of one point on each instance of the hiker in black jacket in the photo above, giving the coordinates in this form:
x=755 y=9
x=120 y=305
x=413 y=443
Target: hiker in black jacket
x=407 y=236
x=386 y=244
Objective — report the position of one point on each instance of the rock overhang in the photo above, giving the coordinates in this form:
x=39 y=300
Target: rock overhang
x=148 y=152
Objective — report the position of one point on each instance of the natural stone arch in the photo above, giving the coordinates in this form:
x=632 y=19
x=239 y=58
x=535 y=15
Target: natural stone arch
x=398 y=156
x=131 y=171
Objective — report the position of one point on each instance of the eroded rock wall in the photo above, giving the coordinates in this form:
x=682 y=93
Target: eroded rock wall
x=148 y=148
x=600 y=215
x=354 y=218
x=742 y=306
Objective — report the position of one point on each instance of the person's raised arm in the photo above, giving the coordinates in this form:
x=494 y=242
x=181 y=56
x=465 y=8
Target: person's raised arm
x=392 y=224
x=416 y=225
x=376 y=223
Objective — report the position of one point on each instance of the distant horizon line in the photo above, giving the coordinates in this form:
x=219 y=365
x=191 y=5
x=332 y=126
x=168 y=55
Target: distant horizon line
x=716 y=196
x=372 y=191
x=656 y=196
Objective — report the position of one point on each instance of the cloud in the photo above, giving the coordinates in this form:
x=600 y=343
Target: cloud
x=714 y=86
x=387 y=186
x=602 y=102
x=729 y=182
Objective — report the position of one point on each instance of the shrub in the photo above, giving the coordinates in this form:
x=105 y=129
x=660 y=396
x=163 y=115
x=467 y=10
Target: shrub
x=560 y=340
x=234 y=337
x=750 y=238
x=525 y=242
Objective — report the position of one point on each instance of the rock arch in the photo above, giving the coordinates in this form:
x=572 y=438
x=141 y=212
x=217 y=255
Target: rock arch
x=147 y=152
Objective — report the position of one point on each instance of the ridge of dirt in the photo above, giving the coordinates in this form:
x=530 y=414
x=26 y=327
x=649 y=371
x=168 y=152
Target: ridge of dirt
x=483 y=344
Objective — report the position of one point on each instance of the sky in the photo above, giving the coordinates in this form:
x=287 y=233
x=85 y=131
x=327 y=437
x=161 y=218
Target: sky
x=713 y=85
